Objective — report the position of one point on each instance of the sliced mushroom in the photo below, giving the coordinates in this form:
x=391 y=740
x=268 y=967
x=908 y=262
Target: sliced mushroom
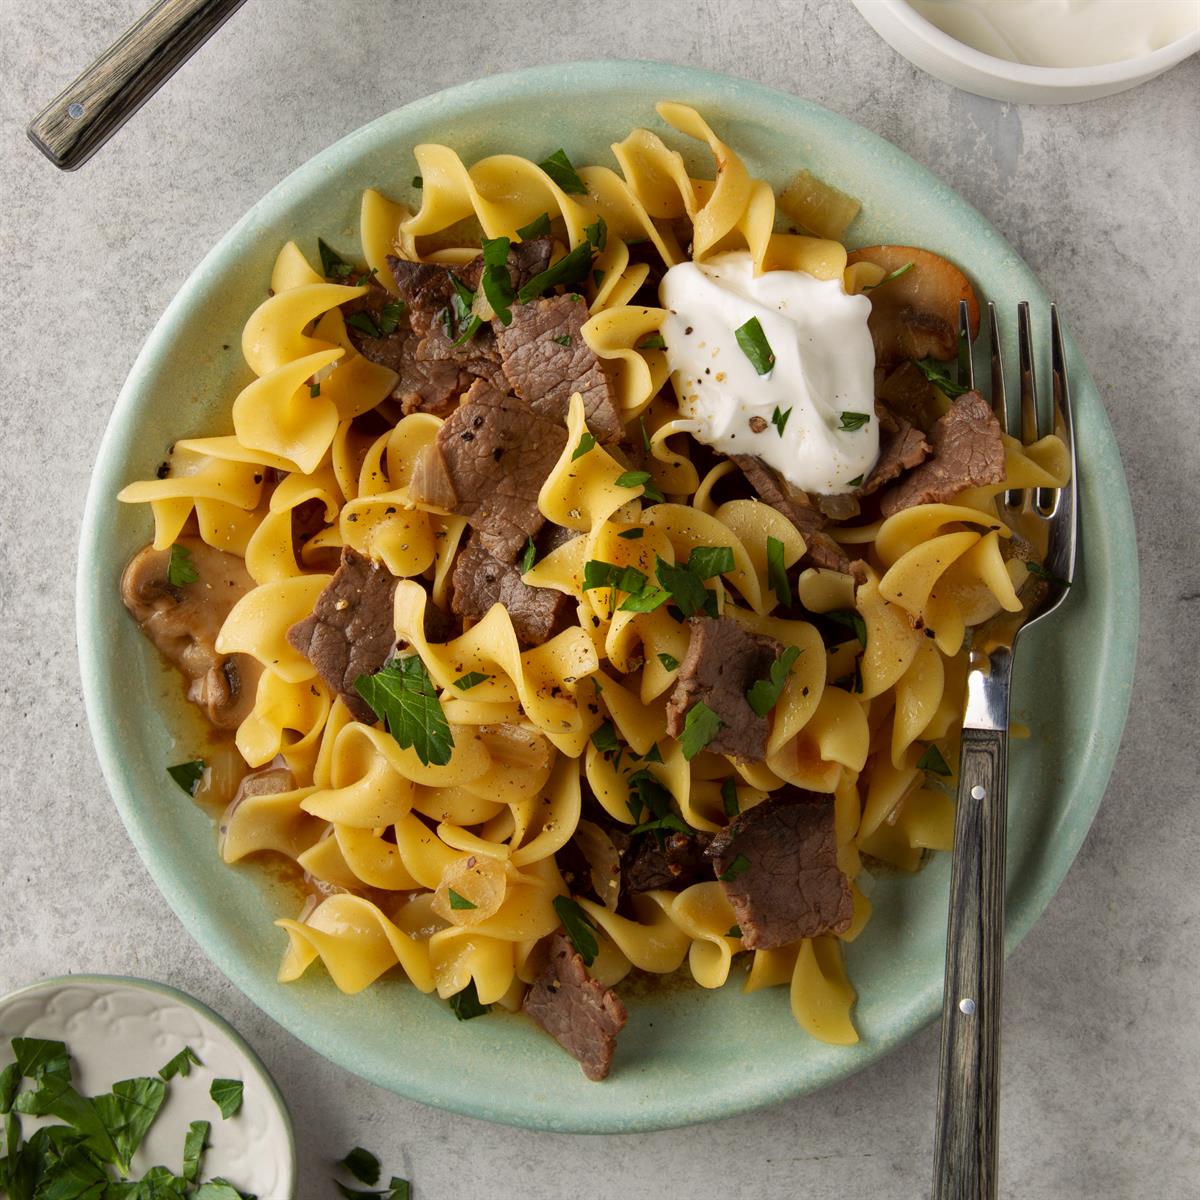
x=183 y=621
x=915 y=315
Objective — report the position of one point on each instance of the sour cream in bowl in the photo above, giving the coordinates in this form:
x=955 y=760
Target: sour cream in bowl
x=778 y=365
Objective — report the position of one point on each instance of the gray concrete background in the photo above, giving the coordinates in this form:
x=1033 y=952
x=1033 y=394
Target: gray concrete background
x=1101 y=1045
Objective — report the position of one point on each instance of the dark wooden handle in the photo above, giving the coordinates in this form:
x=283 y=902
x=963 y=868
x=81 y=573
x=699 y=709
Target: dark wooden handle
x=969 y=1083
x=79 y=120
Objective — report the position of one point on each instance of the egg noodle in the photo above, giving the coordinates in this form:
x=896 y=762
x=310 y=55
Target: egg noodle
x=448 y=871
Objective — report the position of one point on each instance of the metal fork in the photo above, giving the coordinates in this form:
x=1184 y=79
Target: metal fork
x=965 y=1147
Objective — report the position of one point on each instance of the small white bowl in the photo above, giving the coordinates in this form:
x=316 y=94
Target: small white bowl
x=927 y=47
x=116 y=1028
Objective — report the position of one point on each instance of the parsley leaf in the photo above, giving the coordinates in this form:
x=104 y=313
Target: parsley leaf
x=363 y=1165
x=464 y=683
x=597 y=233
x=853 y=420
x=181 y=1064
x=558 y=167
x=632 y=535
x=671 y=821
x=605 y=738
x=364 y=323
x=538 y=227
x=700 y=726
x=1036 y=568
x=855 y=482
x=418 y=182
x=401 y=1189
x=934 y=761
x=401 y=694
x=10 y=1080
x=459 y=902
x=645 y=601
x=586 y=443
x=180 y=569
x=852 y=619
x=389 y=316
x=188 y=776
x=193 y=1149
x=735 y=931
x=707 y=561
x=646 y=794
x=904 y=270
x=466 y=1007
x=729 y=798
x=755 y=347
x=569 y=270
x=458 y=317
x=777 y=571
x=632 y=479
x=314 y=391
x=496 y=281
x=562 y=340
x=669 y=662
x=764 y=693
x=739 y=866
x=579 y=929
x=936 y=374
x=780 y=420
x=227 y=1096
x=654 y=342
x=217 y=1189
x=333 y=265
x=600 y=574
x=528 y=556
x=686 y=587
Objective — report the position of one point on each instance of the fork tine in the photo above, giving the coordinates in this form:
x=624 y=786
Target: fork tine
x=1029 y=404
x=1065 y=510
x=999 y=399
x=966 y=364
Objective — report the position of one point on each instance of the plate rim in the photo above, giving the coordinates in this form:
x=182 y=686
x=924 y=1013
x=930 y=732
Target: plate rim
x=460 y=99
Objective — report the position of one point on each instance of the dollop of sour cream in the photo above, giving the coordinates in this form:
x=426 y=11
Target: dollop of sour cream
x=792 y=416
x=1063 y=33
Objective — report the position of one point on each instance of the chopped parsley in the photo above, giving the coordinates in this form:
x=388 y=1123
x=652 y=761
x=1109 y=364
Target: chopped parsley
x=777 y=571
x=647 y=795
x=194 y=1143
x=569 y=270
x=496 y=281
x=181 y=1064
x=739 y=866
x=459 y=902
x=558 y=167
x=654 y=342
x=579 y=929
x=600 y=574
x=852 y=421
x=735 y=931
x=764 y=693
x=528 y=556
x=314 y=391
x=597 y=278
x=418 y=182
x=708 y=561
x=605 y=739
x=562 y=340
x=401 y=695
x=364 y=323
x=632 y=479
x=780 y=420
x=755 y=347
x=389 y=316
x=671 y=821
x=466 y=682
x=645 y=435
x=180 y=569
x=538 y=227
x=333 y=265
x=645 y=601
x=936 y=374
x=729 y=799
x=586 y=441
x=852 y=619
x=686 y=587
x=904 y=270
x=466 y=1007
x=632 y=535
x=855 y=482
x=363 y=1165
x=934 y=761
x=669 y=662
x=188 y=775
x=700 y=726
x=597 y=233
x=458 y=317
x=227 y=1096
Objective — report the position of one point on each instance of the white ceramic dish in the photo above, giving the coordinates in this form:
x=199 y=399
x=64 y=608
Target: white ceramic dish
x=118 y=1028
x=927 y=47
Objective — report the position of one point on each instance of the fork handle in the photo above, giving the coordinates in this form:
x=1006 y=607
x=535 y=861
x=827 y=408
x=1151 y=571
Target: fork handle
x=969 y=1081
x=82 y=117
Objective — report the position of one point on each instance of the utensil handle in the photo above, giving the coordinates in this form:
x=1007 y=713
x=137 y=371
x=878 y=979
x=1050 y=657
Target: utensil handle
x=969 y=1081
x=80 y=119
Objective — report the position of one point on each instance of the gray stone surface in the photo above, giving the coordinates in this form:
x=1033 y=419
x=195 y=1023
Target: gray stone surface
x=1102 y=1046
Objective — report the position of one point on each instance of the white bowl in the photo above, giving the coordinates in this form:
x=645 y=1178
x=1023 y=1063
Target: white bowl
x=927 y=47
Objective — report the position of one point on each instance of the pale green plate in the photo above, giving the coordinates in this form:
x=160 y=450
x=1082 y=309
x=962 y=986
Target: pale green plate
x=687 y=1054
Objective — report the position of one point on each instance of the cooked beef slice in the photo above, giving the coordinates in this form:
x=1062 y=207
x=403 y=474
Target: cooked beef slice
x=183 y=622
x=488 y=464
x=678 y=863
x=774 y=490
x=907 y=393
x=579 y=1012
x=546 y=361
x=901 y=448
x=790 y=887
x=481 y=580
x=350 y=632
x=967 y=452
x=721 y=664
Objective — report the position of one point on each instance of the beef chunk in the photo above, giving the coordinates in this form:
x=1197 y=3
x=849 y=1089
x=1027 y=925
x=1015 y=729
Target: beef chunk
x=901 y=448
x=488 y=464
x=678 y=863
x=481 y=580
x=580 y=1013
x=183 y=621
x=774 y=490
x=967 y=452
x=546 y=361
x=786 y=884
x=350 y=632
x=722 y=662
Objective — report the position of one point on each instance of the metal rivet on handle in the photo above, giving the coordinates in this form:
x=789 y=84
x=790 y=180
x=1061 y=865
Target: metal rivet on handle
x=966 y=1005
x=978 y=793
x=75 y=110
